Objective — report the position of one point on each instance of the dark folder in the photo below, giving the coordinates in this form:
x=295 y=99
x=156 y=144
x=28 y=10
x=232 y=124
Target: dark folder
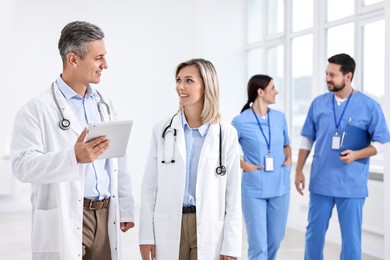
x=355 y=138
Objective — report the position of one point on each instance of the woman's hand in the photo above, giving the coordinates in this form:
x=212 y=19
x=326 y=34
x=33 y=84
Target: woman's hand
x=287 y=162
x=287 y=154
x=249 y=167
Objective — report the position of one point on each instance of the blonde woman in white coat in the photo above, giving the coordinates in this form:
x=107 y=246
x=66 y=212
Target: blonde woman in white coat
x=190 y=198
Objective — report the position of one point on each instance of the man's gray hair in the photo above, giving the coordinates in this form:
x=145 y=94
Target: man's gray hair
x=75 y=37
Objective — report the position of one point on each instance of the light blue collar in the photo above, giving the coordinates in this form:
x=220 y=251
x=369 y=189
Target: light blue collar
x=69 y=93
x=203 y=129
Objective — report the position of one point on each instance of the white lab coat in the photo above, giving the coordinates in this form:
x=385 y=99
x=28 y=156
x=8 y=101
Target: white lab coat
x=218 y=198
x=43 y=155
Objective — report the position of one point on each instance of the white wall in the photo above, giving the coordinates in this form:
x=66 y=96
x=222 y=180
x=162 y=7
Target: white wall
x=4 y=70
x=145 y=40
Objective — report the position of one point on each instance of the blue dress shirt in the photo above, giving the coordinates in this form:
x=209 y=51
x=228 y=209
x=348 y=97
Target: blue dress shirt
x=194 y=138
x=97 y=178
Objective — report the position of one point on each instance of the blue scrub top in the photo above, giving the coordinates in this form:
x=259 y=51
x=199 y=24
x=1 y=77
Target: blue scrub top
x=329 y=175
x=261 y=184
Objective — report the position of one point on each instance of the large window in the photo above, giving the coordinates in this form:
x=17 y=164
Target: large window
x=373 y=63
x=291 y=41
x=275 y=69
x=275 y=16
x=337 y=9
x=302 y=14
x=340 y=39
x=301 y=82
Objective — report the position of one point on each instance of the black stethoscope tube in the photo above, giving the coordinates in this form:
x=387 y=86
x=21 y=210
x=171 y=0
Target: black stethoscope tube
x=64 y=123
x=220 y=170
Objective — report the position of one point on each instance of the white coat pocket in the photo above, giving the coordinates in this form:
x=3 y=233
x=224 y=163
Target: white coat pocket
x=160 y=227
x=46 y=230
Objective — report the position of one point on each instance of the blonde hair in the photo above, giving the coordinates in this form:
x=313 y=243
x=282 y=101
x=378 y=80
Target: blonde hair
x=208 y=74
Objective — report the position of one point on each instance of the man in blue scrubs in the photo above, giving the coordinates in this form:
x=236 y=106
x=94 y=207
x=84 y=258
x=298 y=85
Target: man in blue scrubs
x=338 y=176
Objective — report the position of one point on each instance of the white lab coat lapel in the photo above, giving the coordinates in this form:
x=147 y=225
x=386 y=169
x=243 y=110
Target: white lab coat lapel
x=210 y=148
x=181 y=144
x=68 y=113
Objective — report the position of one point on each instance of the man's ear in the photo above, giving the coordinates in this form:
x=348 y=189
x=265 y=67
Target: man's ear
x=71 y=58
x=349 y=76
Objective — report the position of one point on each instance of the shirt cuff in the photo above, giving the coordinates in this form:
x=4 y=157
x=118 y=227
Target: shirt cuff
x=380 y=148
x=306 y=143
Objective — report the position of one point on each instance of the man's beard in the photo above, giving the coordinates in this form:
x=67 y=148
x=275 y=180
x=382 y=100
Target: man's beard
x=337 y=88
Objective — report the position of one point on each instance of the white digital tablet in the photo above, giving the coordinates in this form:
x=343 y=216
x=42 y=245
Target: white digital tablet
x=118 y=132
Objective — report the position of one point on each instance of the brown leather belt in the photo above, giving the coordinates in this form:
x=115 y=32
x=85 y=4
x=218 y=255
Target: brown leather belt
x=96 y=204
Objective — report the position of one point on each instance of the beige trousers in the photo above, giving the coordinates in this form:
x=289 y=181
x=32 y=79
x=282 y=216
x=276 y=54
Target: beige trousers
x=188 y=241
x=96 y=245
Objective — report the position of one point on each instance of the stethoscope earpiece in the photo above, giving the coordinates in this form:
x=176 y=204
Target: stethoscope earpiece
x=172 y=161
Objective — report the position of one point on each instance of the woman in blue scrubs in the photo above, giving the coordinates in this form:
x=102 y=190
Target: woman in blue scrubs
x=263 y=136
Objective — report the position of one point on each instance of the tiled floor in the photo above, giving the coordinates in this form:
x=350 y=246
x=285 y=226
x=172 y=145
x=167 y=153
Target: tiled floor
x=15 y=241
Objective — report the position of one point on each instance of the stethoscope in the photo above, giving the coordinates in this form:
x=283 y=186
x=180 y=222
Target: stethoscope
x=64 y=123
x=220 y=170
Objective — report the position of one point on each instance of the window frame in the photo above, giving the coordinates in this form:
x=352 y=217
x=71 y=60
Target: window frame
x=362 y=16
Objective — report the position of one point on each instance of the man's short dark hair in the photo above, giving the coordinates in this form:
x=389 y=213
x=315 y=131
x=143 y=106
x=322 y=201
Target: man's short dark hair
x=346 y=62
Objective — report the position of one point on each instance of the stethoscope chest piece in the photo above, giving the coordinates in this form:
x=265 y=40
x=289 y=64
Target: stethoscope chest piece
x=64 y=124
x=221 y=170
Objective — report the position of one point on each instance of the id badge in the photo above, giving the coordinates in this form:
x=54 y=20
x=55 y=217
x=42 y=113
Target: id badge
x=269 y=163
x=336 y=142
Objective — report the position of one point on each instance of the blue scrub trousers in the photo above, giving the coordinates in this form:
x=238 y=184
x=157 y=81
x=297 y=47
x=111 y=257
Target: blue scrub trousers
x=265 y=221
x=349 y=211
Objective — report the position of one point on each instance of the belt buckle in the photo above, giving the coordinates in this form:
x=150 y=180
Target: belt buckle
x=90 y=205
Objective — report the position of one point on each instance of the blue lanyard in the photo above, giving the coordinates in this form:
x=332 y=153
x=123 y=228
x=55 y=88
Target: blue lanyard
x=262 y=131
x=342 y=113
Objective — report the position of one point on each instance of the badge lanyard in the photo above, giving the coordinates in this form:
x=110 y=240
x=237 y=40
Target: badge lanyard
x=268 y=160
x=336 y=136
